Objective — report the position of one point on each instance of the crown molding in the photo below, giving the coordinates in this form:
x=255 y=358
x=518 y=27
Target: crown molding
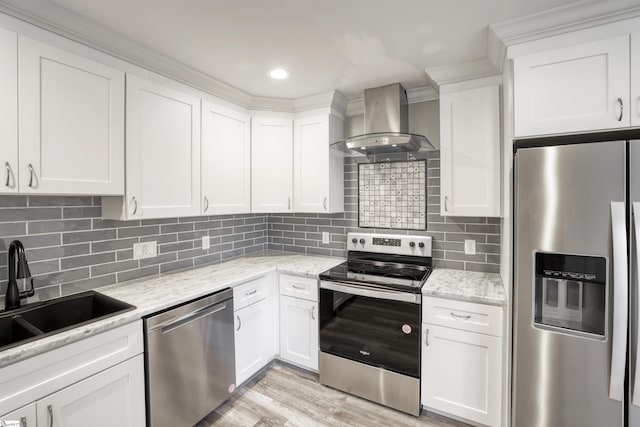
x=472 y=70
x=418 y=94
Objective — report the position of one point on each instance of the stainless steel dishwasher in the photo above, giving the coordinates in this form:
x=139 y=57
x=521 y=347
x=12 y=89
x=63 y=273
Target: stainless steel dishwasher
x=190 y=360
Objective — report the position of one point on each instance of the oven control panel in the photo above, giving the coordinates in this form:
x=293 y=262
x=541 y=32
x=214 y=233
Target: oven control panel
x=398 y=244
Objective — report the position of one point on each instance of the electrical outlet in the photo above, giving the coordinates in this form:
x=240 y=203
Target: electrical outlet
x=206 y=242
x=325 y=237
x=145 y=250
x=470 y=247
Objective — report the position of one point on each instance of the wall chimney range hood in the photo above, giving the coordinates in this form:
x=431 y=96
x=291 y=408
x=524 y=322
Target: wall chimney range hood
x=386 y=125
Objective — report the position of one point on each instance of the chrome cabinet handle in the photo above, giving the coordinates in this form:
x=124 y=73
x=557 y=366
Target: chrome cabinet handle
x=252 y=292
x=31 y=174
x=324 y=203
x=239 y=323
x=23 y=422
x=621 y=106
x=460 y=316
x=446 y=203
x=206 y=204
x=288 y=203
x=298 y=287
x=50 y=409
x=426 y=338
x=313 y=309
x=135 y=205
x=8 y=167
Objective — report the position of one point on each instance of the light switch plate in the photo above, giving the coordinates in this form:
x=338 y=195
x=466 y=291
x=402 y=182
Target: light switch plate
x=470 y=247
x=325 y=237
x=206 y=242
x=145 y=250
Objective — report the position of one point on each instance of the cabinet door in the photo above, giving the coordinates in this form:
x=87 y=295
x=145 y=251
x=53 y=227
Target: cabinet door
x=470 y=152
x=311 y=164
x=271 y=165
x=573 y=89
x=250 y=340
x=112 y=397
x=23 y=417
x=226 y=160
x=8 y=111
x=299 y=331
x=71 y=122
x=461 y=374
x=635 y=79
x=163 y=151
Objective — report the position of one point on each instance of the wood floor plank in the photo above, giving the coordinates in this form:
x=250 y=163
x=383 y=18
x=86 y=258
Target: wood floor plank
x=283 y=395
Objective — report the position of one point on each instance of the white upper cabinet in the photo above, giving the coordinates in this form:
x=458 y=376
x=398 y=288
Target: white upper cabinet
x=318 y=171
x=470 y=152
x=635 y=79
x=271 y=164
x=163 y=154
x=573 y=89
x=8 y=111
x=71 y=122
x=226 y=160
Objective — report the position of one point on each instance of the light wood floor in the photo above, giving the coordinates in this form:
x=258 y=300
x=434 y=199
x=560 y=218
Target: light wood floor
x=286 y=396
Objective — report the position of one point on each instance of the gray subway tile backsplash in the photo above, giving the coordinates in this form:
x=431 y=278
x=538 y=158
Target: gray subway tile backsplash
x=70 y=248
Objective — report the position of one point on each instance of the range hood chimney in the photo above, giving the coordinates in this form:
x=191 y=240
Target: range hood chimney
x=386 y=125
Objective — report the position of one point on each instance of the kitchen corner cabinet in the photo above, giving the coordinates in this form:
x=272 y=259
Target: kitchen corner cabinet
x=71 y=123
x=318 y=171
x=8 y=111
x=299 y=321
x=470 y=152
x=462 y=360
x=271 y=164
x=573 y=89
x=163 y=154
x=255 y=322
x=635 y=79
x=226 y=160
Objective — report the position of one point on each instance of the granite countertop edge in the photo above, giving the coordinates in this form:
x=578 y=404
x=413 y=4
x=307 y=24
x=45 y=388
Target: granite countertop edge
x=183 y=286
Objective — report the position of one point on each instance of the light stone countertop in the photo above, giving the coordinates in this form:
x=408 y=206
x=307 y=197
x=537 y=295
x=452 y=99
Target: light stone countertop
x=154 y=294
x=471 y=286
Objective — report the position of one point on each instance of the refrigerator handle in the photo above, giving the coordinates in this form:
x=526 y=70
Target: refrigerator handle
x=620 y=301
x=636 y=231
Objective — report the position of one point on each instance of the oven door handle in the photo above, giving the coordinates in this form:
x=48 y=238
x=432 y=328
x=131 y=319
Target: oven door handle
x=366 y=291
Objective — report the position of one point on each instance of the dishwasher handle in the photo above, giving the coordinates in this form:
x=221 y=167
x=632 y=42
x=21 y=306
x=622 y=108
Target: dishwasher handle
x=173 y=324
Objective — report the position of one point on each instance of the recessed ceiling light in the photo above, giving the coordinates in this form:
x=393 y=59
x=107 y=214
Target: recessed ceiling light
x=278 y=74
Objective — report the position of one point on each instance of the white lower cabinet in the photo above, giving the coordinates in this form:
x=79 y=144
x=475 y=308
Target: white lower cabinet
x=250 y=340
x=299 y=331
x=462 y=370
x=112 y=397
x=23 y=417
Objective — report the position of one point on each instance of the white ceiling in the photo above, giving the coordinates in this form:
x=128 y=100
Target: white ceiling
x=347 y=45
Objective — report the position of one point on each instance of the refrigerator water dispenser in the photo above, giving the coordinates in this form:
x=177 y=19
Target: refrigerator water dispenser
x=570 y=294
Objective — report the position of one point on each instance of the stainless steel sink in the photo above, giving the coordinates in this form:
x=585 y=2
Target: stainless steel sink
x=42 y=319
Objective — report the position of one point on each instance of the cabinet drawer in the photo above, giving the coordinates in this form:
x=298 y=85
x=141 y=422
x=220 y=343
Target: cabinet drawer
x=467 y=316
x=299 y=287
x=250 y=292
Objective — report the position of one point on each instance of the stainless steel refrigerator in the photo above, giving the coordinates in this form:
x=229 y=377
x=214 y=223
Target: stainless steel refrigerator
x=575 y=316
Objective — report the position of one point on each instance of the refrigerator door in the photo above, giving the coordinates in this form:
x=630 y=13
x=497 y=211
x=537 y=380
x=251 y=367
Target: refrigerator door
x=634 y=293
x=563 y=370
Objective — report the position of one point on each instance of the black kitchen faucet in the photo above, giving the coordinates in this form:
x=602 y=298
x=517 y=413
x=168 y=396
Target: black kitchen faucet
x=13 y=295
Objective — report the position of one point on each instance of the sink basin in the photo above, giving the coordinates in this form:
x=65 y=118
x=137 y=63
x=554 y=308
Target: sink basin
x=38 y=320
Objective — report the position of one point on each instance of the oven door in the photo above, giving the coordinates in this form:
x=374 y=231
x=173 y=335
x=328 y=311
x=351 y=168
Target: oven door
x=375 y=326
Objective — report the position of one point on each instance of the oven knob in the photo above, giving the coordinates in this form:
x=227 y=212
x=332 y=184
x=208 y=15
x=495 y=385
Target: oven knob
x=362 y=241
x=412 y=244
x=421 y=244
x=354 y=241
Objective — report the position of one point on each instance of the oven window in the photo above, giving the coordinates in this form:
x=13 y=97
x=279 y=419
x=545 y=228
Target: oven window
x=377 y=332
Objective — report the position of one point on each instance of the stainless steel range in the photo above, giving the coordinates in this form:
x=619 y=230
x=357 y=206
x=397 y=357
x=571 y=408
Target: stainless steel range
x=370 y=319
